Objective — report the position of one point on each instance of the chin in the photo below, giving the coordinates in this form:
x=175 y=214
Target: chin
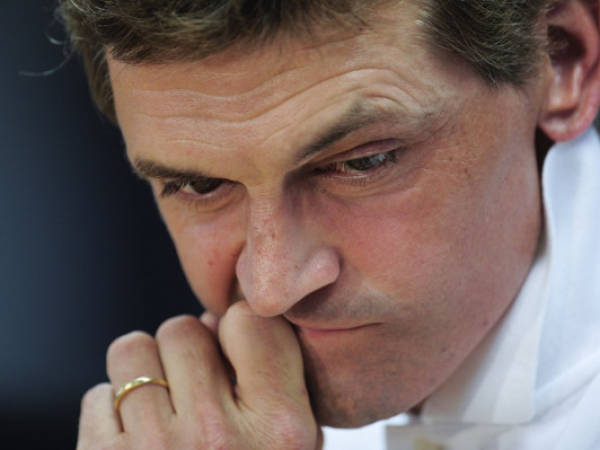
x=333 y=413
x=349 y=397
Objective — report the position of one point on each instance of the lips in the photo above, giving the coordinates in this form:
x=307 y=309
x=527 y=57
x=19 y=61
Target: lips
x=318 y=331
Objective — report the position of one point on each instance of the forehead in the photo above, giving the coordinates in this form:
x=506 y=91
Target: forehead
x=244 y=72
x=289 y=88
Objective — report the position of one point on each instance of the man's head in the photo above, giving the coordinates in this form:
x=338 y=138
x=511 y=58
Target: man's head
x=356 y=172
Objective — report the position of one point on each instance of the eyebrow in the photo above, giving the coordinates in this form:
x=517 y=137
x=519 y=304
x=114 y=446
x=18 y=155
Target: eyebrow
x=359 y=115
x=146 y=168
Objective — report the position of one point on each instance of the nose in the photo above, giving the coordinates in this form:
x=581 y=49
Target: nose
x=282 y=260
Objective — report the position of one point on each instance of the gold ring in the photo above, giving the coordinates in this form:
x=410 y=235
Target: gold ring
x=132 y=385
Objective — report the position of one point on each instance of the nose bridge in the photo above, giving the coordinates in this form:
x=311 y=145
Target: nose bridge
x=270 y=230
x=281 y=261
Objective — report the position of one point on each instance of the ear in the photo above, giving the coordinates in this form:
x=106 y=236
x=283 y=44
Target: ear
x=573 y=94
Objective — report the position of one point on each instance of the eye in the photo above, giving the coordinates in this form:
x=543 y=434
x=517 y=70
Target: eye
x=197 y=186
x=360 y=165
x=202 y=186
x=368 y=162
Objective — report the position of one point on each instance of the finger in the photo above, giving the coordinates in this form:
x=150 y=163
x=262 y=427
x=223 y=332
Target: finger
x=193 y=363
x=97 y=421
x=210 y=321
x=149 y=406
x=266 y=357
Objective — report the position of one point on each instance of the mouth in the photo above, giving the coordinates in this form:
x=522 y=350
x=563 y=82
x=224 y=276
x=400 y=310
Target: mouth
x=313 y=332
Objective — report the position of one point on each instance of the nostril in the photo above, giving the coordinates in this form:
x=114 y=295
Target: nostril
x=312 y=302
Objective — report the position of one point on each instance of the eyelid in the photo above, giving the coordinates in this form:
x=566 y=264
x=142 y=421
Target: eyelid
x=208 y=203
x=172 y=186
x=364 y=150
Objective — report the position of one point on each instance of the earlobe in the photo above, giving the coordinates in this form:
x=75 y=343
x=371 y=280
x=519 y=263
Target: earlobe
x=573 y=93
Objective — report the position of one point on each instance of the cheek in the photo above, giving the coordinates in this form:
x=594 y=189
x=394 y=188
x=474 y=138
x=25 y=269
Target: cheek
x=435 y=247
x=208 y=256
x=402 y=244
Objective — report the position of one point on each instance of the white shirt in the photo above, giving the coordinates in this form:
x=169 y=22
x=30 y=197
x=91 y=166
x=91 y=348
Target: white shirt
x=534 y=382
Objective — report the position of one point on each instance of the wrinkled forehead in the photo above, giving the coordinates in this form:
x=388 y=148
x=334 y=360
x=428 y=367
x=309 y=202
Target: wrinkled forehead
x=286 y=95
x=247 y=79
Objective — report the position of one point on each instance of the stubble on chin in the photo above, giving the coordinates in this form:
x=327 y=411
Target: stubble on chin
x=340 y=396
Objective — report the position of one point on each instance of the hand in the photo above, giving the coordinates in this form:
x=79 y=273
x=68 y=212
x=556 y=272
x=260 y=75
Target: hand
x=268 y=407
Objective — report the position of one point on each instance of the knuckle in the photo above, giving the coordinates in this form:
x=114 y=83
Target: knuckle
x=128 y=345
x=210 y=431
x=293 y=432
x=100 y=393
x=214 y=442
x=219 y=441
x=157 y=440
x=178 y=327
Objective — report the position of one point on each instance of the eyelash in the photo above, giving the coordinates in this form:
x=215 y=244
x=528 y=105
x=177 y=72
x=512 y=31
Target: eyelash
x=335 y=169
x=174 y=187
x=342 y=167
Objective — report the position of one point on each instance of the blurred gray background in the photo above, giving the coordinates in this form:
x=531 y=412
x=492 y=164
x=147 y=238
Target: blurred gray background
x=84 y=256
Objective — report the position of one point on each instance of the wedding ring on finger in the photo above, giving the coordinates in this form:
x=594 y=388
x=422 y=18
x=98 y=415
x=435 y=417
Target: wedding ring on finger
x=133 y=385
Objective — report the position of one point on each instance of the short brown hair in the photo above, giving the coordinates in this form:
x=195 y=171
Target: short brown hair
x=497 y=37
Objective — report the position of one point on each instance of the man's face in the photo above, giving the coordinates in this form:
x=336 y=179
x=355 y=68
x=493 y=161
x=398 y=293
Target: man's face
x=381 y=198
